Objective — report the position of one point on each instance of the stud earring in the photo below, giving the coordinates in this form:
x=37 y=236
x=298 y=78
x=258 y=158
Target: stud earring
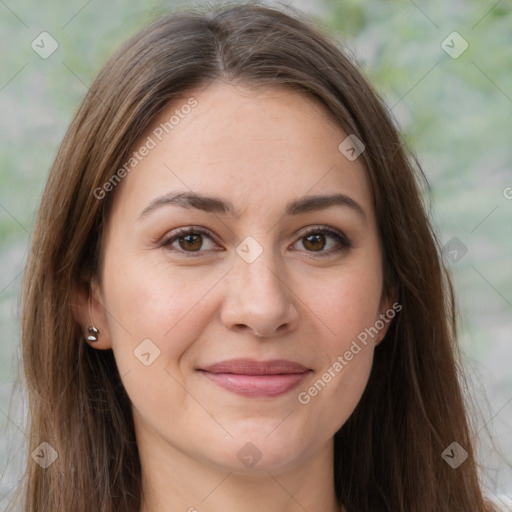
x=93 y=334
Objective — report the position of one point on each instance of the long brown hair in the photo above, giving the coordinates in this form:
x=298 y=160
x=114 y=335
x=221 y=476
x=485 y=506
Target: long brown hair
x=388 y=454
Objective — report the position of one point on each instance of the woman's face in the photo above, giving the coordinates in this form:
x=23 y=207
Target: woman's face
x=243 y=340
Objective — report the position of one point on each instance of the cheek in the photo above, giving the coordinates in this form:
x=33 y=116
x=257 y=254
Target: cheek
x=148 y=300
x=156 y=315
x=347 y=354
x=347 y=303
x=347 y=309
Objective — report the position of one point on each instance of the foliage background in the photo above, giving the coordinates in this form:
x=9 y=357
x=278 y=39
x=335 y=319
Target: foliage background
x=455 y=114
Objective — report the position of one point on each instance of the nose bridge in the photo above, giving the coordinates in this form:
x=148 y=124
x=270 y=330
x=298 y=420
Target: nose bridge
x=259 y=297
x=258 y=266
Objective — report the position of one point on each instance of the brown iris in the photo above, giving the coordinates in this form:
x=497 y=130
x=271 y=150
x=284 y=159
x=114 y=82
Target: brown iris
x=315 y=242
x=191 y=242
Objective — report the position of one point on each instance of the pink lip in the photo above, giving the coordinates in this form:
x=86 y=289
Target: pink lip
x=257 y=378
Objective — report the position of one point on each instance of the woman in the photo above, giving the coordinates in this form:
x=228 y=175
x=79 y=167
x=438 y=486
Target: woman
x=234 y=299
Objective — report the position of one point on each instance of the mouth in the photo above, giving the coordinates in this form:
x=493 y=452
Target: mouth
x=257 y=379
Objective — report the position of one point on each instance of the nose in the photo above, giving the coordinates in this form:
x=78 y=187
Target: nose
x=258 y=298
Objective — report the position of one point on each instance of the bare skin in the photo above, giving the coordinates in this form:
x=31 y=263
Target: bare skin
x=304 y=299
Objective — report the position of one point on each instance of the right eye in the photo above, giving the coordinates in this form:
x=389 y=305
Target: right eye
x=189 y=240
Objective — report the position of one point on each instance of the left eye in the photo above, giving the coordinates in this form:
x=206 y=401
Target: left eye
x=323 y=241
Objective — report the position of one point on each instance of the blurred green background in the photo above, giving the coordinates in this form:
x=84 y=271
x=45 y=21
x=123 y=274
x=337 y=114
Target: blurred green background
x=455 y=114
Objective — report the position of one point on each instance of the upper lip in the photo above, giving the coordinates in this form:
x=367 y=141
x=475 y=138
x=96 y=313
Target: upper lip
x=253 y=367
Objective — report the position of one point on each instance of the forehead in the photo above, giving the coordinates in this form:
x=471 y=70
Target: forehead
x=257 y=148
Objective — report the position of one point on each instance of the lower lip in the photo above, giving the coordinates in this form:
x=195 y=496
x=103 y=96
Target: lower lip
x=257 y=386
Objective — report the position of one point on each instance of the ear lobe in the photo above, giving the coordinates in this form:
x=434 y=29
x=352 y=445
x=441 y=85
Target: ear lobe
x=88 y=311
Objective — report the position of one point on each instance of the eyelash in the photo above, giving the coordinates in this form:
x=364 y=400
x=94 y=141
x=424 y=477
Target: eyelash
x=343 y=242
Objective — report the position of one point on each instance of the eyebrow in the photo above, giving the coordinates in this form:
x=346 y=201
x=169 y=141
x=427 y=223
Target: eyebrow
x=218 y=205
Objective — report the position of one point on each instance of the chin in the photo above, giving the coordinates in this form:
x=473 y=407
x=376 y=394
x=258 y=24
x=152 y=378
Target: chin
x=254 y=453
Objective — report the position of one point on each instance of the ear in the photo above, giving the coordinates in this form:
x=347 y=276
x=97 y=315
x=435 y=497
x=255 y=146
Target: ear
x=89 y=311
x=388 y=309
